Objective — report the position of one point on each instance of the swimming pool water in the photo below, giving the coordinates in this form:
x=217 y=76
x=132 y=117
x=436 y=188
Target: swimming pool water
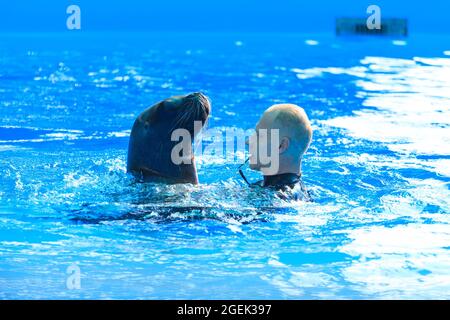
x=378 y=168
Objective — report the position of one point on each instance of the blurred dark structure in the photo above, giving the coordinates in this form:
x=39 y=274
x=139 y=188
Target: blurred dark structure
x=358 y=26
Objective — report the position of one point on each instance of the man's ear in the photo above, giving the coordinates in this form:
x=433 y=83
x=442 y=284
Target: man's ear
x=284 y=144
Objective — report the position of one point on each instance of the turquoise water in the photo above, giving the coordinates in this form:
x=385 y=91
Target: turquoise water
x=378 y=168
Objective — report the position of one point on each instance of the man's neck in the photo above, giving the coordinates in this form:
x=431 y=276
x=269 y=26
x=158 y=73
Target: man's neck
x=287 y=166
x=289 y=172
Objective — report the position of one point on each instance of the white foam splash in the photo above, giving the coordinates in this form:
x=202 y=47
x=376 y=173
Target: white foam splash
x=408 y=101
x=62 y=135
x=359 y=71
x=311 y=42
x=400 y=43
x=404 y=261
x=119 y=134
x=75 y=180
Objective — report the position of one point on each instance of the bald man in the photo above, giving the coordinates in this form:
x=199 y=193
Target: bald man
x=282 y=136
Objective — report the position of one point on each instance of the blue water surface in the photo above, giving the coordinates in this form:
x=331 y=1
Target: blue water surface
x=378 y=168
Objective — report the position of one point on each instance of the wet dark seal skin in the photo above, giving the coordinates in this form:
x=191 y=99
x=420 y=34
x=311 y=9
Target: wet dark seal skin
x=150 y=145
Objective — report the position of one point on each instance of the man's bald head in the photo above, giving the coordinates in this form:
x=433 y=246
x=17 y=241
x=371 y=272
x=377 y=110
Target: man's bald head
x=293 y=124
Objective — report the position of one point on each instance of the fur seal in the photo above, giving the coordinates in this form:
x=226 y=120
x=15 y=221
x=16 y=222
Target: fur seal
x=150 y=145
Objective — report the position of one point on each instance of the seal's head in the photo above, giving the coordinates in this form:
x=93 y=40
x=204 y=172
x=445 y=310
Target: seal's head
x=150 y=147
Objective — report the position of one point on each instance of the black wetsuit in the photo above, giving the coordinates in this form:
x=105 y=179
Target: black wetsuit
x=290 y=186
